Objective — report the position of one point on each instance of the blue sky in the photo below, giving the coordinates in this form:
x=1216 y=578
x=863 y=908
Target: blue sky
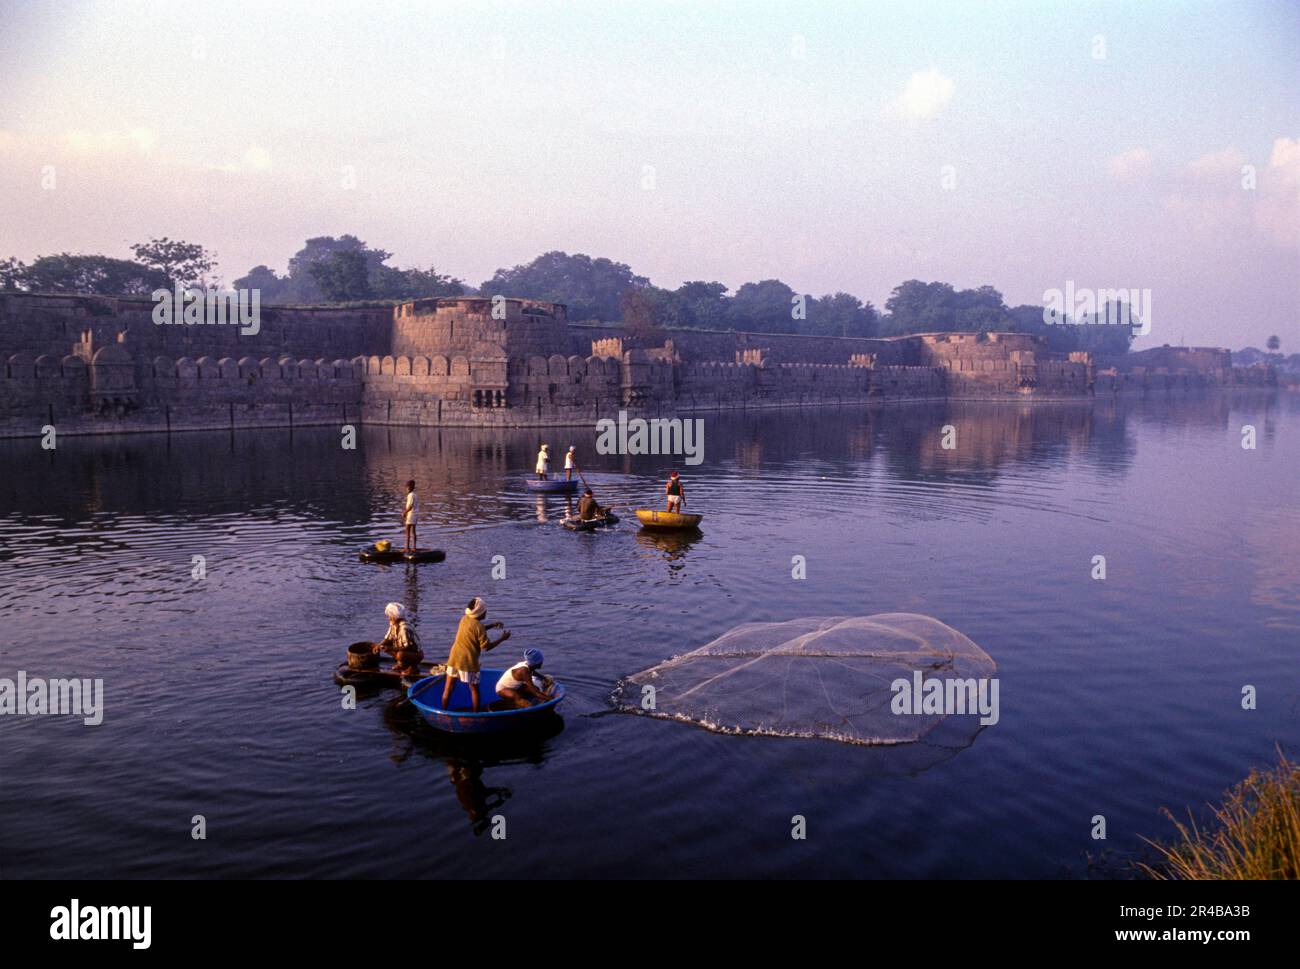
x=703 y=141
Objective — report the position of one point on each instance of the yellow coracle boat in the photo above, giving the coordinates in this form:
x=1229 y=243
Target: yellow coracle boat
x=666 y=519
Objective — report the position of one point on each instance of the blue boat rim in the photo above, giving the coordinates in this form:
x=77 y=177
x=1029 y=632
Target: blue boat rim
x=410 y=695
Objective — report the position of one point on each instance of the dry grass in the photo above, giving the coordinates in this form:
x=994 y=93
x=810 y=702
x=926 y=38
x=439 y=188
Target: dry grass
x=1255 y=833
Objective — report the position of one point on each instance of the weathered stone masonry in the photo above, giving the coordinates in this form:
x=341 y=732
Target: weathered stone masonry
x=95 y=363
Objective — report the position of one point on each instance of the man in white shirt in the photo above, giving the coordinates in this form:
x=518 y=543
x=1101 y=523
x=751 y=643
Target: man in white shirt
x=524 y=684
x=409 y=516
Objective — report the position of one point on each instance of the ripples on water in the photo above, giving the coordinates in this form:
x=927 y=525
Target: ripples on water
x=1118 y=697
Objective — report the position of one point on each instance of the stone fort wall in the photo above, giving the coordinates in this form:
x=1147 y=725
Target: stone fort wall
x=95 y=362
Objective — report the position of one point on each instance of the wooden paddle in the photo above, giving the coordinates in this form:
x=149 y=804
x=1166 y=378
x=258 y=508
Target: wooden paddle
x=584 y=480
x=434 y=678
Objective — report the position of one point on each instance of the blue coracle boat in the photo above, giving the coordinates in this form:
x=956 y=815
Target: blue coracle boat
x=553 y=484
x=427 y=694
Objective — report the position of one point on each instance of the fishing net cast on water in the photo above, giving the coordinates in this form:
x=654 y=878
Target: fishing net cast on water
x=828 y=677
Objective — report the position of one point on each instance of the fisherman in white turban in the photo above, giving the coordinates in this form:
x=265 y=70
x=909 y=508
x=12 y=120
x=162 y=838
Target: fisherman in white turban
x=543 y=463
x=400 y=642
x=471 y=640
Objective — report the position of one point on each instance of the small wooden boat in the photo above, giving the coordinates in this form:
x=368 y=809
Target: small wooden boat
x=551 y=485
x=426 y=695
x=667 y=519
x=578 y=525
x=372 y=554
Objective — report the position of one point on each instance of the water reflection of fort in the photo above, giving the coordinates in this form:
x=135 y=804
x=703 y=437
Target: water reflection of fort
x=470 y=476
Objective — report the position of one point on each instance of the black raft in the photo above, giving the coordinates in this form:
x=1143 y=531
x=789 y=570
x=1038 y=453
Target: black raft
x=372 y=554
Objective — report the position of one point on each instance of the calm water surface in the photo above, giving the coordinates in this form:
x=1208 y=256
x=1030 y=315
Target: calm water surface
x=1118 y=697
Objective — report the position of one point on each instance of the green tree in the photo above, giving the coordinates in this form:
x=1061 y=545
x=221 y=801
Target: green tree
x=641 y=324
x=591 y=288
x=1028 y=318
x=388 y=282
x=1103 y=338
x=703 y=305
x=840 y=314
x=980 y=310
x=273 y=288
x=664 y=306
x=766 y=306
x=301 y=284
x=12 y=273
x=1273 y=344
x=99 y=275
x=342 y=277
x=186 y=263
x=918 y=307
x=303 y=287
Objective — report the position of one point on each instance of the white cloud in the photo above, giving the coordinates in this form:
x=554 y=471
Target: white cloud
x=1277 y=213
x=927 y=93
x=1220 y=164
x=1130 y=166
x=1286 y=159
x=1216 y=199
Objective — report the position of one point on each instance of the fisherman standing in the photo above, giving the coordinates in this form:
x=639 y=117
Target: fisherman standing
x=569 y=464
x=543 y=463
x=471 y=640
x=676 y=494
x=409 y=514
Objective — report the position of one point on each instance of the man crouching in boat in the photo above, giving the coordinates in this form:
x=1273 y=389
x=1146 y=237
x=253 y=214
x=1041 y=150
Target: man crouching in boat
x=588 y=510
x=471 y=640
x=522 y=685
x=401 y=642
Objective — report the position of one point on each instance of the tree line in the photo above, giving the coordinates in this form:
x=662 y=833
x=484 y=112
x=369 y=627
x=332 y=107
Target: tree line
x=345 y=269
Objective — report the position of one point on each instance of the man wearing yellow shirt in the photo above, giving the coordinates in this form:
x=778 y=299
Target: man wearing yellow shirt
x=471 y=640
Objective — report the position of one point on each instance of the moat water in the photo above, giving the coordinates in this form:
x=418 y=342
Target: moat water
x=1118 y=696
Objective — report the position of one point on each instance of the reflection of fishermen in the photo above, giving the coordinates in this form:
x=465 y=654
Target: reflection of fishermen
x=588 y=510
x=474 y=796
